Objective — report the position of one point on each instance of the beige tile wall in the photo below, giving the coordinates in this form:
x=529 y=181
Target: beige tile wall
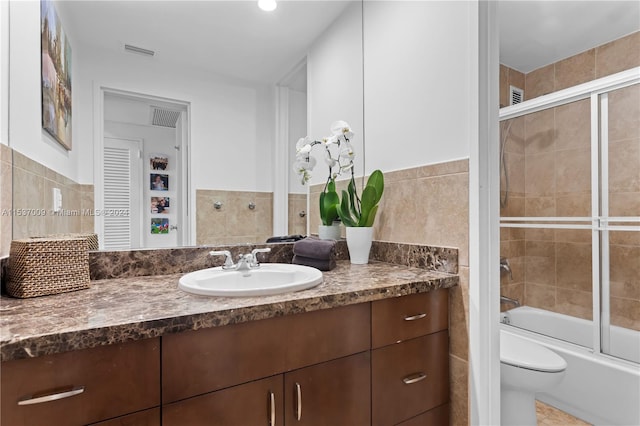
x=607 y=59
x=430 y=205
x=509 y=77
x=33 y=185
x=235 y=222
x=6 y=191
x=548 y=161
x=297 y=207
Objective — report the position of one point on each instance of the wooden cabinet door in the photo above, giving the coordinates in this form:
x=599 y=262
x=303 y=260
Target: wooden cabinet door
x=336 y=393
x=254 y=403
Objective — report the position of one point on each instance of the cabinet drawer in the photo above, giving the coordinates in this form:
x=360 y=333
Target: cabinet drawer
x=248 y=404
x=109 y=381
x=436 y=417
x=402 y=318
x=206 y=360
x=409 y=378
x=149 y=417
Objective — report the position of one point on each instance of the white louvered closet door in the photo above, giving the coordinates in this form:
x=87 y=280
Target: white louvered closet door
x=122 y=188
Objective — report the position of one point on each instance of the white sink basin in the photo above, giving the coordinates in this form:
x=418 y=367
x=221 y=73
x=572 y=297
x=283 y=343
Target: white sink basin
x=269 y=278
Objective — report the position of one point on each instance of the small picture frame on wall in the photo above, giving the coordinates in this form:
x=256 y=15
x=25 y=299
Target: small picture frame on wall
x=160 y=205
x=159 y=226
x=159 y=162
x=159 y=182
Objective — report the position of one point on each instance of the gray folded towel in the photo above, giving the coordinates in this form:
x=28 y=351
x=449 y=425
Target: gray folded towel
x=314 y=248
x=321 y=264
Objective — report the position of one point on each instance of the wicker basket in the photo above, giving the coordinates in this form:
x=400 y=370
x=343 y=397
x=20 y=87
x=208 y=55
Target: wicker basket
x=48 y=265
x=92 y=239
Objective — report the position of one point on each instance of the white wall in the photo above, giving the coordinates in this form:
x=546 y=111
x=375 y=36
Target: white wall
x=4 y=72
x=417 y=82
x=334 y=85
x=229 y=135
x=297 y=130
x=25 y=126
x=231 y=123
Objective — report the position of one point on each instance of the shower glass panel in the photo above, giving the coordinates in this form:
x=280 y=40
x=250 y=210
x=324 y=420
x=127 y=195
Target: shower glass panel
x=620 y=145
x=570 y=213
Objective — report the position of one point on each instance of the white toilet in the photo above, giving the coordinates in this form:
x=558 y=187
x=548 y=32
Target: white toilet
x=525 y=368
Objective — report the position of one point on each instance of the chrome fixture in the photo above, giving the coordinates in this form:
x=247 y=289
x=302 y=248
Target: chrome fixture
x=509 y=301
x=302 y=213
x=252 y=205
x=245 y=261
x=504 y=266
x=228 y=260
x=217 y=205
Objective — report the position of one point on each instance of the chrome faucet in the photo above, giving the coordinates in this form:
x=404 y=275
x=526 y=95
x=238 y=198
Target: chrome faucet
x=228 y=260
x=504 y=266
x=509 y=301
x=245 y=261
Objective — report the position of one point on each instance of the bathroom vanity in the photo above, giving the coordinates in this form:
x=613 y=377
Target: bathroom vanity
x=368 y=346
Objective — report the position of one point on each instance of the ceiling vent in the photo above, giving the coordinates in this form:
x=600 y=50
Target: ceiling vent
x=516 y=95
x=139 y=50
x=164 y=117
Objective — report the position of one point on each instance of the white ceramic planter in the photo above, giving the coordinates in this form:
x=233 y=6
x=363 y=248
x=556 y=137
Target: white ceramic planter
x=359 y=244
x=329 y=232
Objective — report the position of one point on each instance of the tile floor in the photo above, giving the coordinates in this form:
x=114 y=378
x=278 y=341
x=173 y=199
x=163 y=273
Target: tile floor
x=550 y=416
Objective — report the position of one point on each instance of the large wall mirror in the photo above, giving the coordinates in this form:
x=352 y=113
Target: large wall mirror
x=186 y=114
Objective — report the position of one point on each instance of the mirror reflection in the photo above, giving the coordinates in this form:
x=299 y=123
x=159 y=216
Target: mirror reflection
x=185 y=119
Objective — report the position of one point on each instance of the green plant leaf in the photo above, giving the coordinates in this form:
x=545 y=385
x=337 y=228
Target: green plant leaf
x=367 y=202
x=372 y=216
x=376 y=180
x=330 y=201
x=353 y=204
x=344 y=211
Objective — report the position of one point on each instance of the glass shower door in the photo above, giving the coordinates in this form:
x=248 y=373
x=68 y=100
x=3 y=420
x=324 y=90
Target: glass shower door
x=620 y=204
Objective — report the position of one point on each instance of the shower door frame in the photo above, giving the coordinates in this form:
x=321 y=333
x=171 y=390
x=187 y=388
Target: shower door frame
x=599 y=222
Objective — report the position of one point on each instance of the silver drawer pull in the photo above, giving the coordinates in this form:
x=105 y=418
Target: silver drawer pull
x=298 y=402
x=28 y=400
x=415 y=317
x=414 y=378
x=272 y=409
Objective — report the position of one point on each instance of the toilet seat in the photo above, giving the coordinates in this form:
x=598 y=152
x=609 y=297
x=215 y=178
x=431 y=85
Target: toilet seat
x=523 y=353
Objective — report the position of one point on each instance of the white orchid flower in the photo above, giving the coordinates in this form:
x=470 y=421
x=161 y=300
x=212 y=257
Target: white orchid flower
x=346 y=151
x=309 y=163
x=304 y=145
x=329 y=161
x=346 y=167
x=341 y=128
x=330 y=140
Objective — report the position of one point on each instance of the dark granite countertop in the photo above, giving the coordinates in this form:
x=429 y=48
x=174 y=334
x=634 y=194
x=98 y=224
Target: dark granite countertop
x=126 y=309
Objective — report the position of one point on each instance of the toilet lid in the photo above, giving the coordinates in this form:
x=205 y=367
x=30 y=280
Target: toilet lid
x=523 y=353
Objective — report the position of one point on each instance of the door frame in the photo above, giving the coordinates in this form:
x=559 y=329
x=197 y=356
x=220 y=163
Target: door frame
x=186 y=213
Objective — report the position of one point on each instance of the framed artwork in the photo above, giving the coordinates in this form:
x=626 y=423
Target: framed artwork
x=159 y=162
x=159 y=226
x=160 y=205
x=56 y=76
x=159 y=182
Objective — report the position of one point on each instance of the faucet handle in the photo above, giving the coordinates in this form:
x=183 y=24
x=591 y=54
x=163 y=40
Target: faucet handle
x=254 y=253
x=228 y=261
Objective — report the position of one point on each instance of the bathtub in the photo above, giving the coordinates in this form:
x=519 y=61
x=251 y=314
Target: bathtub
x=599 y=389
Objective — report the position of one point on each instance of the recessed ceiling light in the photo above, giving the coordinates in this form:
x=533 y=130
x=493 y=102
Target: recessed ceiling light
x=267 y=5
